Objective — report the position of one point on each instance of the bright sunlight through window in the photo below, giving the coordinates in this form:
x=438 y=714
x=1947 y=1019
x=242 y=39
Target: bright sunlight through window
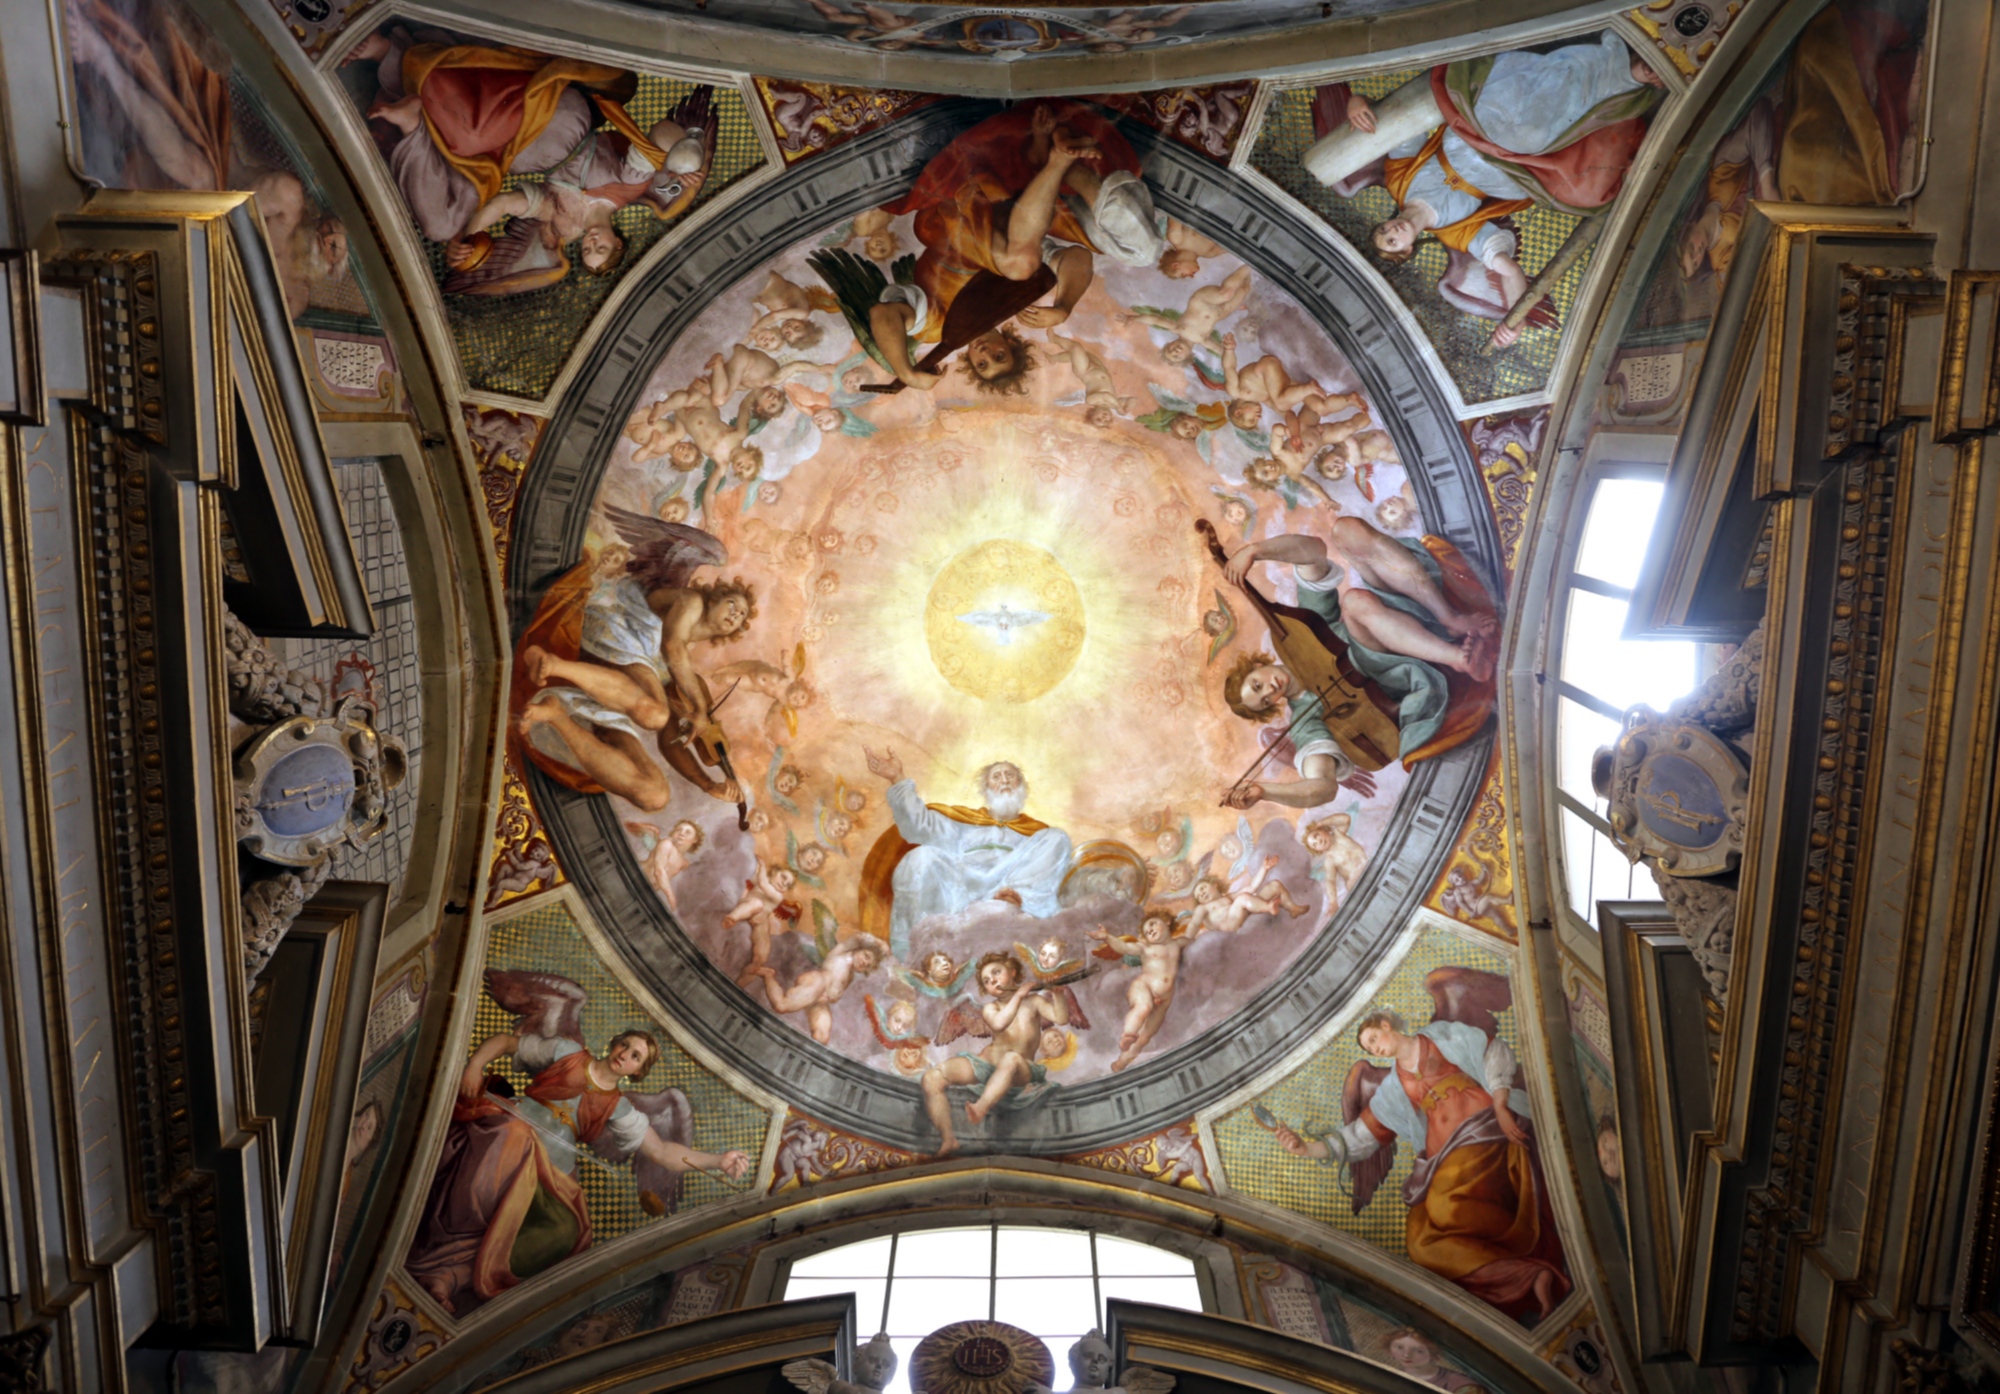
x=1053 y=1282
x=1601 y=675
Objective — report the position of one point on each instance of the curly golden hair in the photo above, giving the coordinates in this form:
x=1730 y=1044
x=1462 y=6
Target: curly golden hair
x=652 y=1049
x=713 y=593
x=1009 y=961
x=1232 y=685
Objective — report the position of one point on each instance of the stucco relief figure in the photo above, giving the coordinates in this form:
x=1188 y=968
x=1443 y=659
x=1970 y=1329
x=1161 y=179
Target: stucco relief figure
x=467 y=116
x=607 y=667
x=939 y=859
x=1093 y=1367
x=505 y=1203
x=1417 y=626
x=1453 y=1092
x=1475 y=141
x=874 y=1367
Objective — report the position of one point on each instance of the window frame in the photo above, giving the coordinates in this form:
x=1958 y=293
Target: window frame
x=1611 y=456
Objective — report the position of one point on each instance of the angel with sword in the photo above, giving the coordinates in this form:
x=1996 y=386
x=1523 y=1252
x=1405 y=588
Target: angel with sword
x=607 y=667
x=1479 y=1209
x=505 y=1203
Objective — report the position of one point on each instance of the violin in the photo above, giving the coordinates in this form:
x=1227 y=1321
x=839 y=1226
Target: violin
x=1356 y=713
x=691 y=754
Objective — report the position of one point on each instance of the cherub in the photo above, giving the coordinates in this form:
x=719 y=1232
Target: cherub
x=763 y=901
x=937 y=975
x=1186 y=250
x=1216 y=908
x=1156 y=952
x=835 y=828
x=1206 y=308
x=1054 y=971
x=1337 y=446
x=747 y=369
x=1338 y=859
x=786 y=686
x=1465 y=895
x=697 y=417
x=1013 y=1028
x=819 y=407
x=1219 y=625
x=878 y=240
x=659 y=436
x=896 y=1029
x=1265 y=383
x=816 y=990
x=787 y=319
x=874 y=1367
x=810 y=860
x=667 y=857
x=1101 y=402
x=1284 y=465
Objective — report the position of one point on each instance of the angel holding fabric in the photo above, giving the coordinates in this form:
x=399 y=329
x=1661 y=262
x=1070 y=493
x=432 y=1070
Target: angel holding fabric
x=1479 y=1208
x=505 y=1203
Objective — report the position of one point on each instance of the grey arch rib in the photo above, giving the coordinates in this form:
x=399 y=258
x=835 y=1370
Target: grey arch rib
x=1280 y=244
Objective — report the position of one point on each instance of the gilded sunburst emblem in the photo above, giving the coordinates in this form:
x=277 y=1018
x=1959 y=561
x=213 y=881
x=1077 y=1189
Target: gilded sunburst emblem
x=979 y=1357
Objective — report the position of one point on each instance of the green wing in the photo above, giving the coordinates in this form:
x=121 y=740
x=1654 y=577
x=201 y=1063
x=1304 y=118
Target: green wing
x=826 y=929
x=857 y=284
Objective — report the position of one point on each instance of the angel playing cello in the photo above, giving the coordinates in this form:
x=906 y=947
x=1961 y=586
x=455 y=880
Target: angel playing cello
x=505 y=1203
x=607 y=665
x=1479 y=1207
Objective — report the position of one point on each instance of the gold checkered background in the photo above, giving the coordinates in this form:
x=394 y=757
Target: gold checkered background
x=548 y=940
x=1309 y=1101
x=1458 y=337
x=518 y=343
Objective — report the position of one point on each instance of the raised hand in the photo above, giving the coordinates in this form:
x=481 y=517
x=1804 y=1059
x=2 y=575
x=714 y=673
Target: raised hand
x=884 y=766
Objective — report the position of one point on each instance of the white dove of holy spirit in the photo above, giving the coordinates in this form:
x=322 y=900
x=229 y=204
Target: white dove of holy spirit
x=1003 y=623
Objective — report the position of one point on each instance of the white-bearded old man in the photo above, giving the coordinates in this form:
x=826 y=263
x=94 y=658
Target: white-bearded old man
x=940 y=858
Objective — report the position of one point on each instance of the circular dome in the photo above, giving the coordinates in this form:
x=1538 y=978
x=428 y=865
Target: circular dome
x=1010 y=808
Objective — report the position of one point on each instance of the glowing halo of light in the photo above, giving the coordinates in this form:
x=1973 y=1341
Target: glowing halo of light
x=1004 y=621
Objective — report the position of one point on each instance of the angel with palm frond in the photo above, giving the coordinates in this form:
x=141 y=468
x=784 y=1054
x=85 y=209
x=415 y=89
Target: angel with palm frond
x=505 y=1203
x=1479 y=1208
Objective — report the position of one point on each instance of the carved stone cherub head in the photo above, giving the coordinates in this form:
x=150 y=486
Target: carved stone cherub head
x=875 y=1363
x=1090 y=1361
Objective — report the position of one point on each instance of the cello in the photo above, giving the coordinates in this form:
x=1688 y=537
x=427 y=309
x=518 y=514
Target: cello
x=692 y=755
x=1358 y=716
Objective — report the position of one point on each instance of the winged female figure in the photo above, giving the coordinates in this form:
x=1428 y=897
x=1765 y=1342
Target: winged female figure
x=1479 y=1208
x=505 y=1203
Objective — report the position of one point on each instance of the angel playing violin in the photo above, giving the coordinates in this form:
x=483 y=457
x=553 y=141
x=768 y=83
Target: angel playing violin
x=607 y=666
x=1479 y=1208
x=505 y=1203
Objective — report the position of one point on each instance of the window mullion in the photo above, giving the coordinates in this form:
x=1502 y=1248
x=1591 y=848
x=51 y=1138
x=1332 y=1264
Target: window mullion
x=993 y=1274
x=1585 y=582
x=889 y=1284
x=1585 y=812
x=1590 y=699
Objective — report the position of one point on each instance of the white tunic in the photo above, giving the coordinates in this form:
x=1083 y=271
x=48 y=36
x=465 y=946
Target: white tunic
x=954 y=865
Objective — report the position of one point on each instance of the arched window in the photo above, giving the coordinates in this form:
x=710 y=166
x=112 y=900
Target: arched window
x=1053 y=1282
x=1596 y=674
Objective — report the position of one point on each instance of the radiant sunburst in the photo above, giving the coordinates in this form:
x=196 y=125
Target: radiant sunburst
x=1004 y=621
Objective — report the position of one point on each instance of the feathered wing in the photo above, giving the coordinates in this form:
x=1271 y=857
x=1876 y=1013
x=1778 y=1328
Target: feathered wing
x=812 y=1376
x=542 y=1004
x=964 y=1019
x=857 y=284
x=695 y=114
x=663 y=553
x=1359 y=1091
x=671 y=1118
x=1469 y=995
x=646 y=831
x=889 y=1039
x=1077 y=1020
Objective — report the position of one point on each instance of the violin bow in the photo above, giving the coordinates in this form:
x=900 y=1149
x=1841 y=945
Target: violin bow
x=1318 y=701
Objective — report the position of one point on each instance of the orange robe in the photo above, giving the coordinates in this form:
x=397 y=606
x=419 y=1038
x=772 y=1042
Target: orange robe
x=1479 y=1211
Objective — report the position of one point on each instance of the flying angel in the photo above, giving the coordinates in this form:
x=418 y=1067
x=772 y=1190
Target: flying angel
x=1002 y=624
x=574 y=1109
x=1489 y=1210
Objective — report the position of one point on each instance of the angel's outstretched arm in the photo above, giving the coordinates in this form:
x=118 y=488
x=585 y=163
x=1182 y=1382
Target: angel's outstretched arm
x=677 y=1158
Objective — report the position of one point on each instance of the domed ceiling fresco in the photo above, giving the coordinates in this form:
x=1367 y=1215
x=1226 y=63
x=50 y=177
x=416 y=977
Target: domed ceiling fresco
x=1006 y=616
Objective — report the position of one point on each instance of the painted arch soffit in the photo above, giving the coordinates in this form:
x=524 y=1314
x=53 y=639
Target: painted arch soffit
x=994 y=48
x=1416 y=485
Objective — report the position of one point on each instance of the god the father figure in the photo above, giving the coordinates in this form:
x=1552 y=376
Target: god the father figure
x=946 y=857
